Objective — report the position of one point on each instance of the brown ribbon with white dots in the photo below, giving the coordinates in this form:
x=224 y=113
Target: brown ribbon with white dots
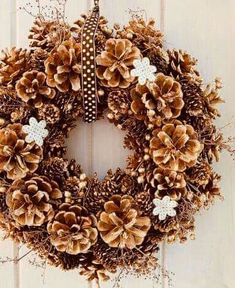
x=89 y=84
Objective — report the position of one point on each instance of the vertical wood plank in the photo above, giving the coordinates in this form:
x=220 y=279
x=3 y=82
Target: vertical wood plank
x=203 y=28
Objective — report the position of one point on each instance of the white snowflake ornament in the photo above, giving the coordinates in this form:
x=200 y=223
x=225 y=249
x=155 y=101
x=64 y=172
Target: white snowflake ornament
x=143 y=70
x=164 y=207
x=35 y=131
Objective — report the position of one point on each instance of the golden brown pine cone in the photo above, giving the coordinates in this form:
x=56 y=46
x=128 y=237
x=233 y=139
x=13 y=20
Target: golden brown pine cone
x=118 y=102
x=32 y=88
x=63 y=66
x=175 y=146
x=168 y=182
x=17 y=158
x=143 y=34
x=200 y=173
x=30 y=200
x=74 y=189
x=120 y=224
x=116 y=62
x=73 y=230
x=47 y=34
x=163 y=97
x=13 y=63
x=94 y=271
x=50 y=113
x=183 y=64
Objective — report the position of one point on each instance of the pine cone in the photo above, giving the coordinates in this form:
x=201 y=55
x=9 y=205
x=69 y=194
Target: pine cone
x=17 y=157
x=143 y=34
x=74 y=189
x=118 y=101
x=73 y=230
x=168 y=182
x=212 y=98
x=200 y=173
x=159 y=58
x=175 y=147
x=183 y=64
x=30 y=200
x=120 y=225
x=63 y=66
x=94 y=271
x=55 y=168
x=38 y=58
x=13 y=63
x=144 y=202
x=32 y=88
x=193 y=99
x=50 y=113
x=162 y=97
x=115 y=63
x=48 y=34
x=54 y=144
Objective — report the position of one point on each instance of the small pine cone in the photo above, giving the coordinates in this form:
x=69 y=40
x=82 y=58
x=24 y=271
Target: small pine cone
x=74 y=168
x=200 y=173
x=55 y=168
x=13 y=63
x=159 y=58
x=145 y=203
x=119 y=102
x=74 y=190
x=38 y=58
x=70 y=262
x=50 y=113
x=194 y=103
x=94 y=271
x=54 y=144
x=167 y=225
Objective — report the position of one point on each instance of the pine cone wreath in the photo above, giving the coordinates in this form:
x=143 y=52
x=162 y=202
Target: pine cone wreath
x=13 y=63
x=30 y=200
x=31 y=88
x=63 y=66
x=73 y=229
x=115 y=63
x=175 y=146
x=120 y=224
x=17 y=157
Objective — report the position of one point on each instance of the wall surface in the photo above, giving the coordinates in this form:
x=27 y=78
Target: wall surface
x=206 y=29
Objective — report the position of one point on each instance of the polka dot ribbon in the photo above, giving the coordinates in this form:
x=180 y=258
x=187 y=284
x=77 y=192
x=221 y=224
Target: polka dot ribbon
x=89 y=84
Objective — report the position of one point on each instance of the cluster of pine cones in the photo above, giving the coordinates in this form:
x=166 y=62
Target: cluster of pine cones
x=75 y=221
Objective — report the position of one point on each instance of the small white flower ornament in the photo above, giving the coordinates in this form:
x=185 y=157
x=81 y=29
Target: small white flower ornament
x=143 y=70
x=164 y=207
x=35 y=131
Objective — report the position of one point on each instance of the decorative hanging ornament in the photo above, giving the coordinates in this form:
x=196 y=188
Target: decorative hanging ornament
x=89 y=85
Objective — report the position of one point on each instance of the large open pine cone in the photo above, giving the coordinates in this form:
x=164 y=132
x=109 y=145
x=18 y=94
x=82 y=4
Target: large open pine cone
x=162 y=97
x=73 y=230
x=120 y=225
x=17 y=157
x=115 y=63
x=175 y=146
x=12 y=63
x=29 y=200
x=63 y=66
x=32 y=88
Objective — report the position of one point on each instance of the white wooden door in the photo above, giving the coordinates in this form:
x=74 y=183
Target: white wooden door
x=206 y=28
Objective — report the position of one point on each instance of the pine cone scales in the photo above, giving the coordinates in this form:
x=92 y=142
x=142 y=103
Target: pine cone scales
x=17 y=157
x=115 y=62
x=29 y=200
x=32 y=88
x=120 y=225
x=63 y=66
x=175 y=147
x=72 y=230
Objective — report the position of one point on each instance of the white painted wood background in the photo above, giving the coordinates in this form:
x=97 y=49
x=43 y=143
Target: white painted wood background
x=206 y=29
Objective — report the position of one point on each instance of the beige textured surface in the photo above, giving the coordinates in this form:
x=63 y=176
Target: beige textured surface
x=206 y=29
